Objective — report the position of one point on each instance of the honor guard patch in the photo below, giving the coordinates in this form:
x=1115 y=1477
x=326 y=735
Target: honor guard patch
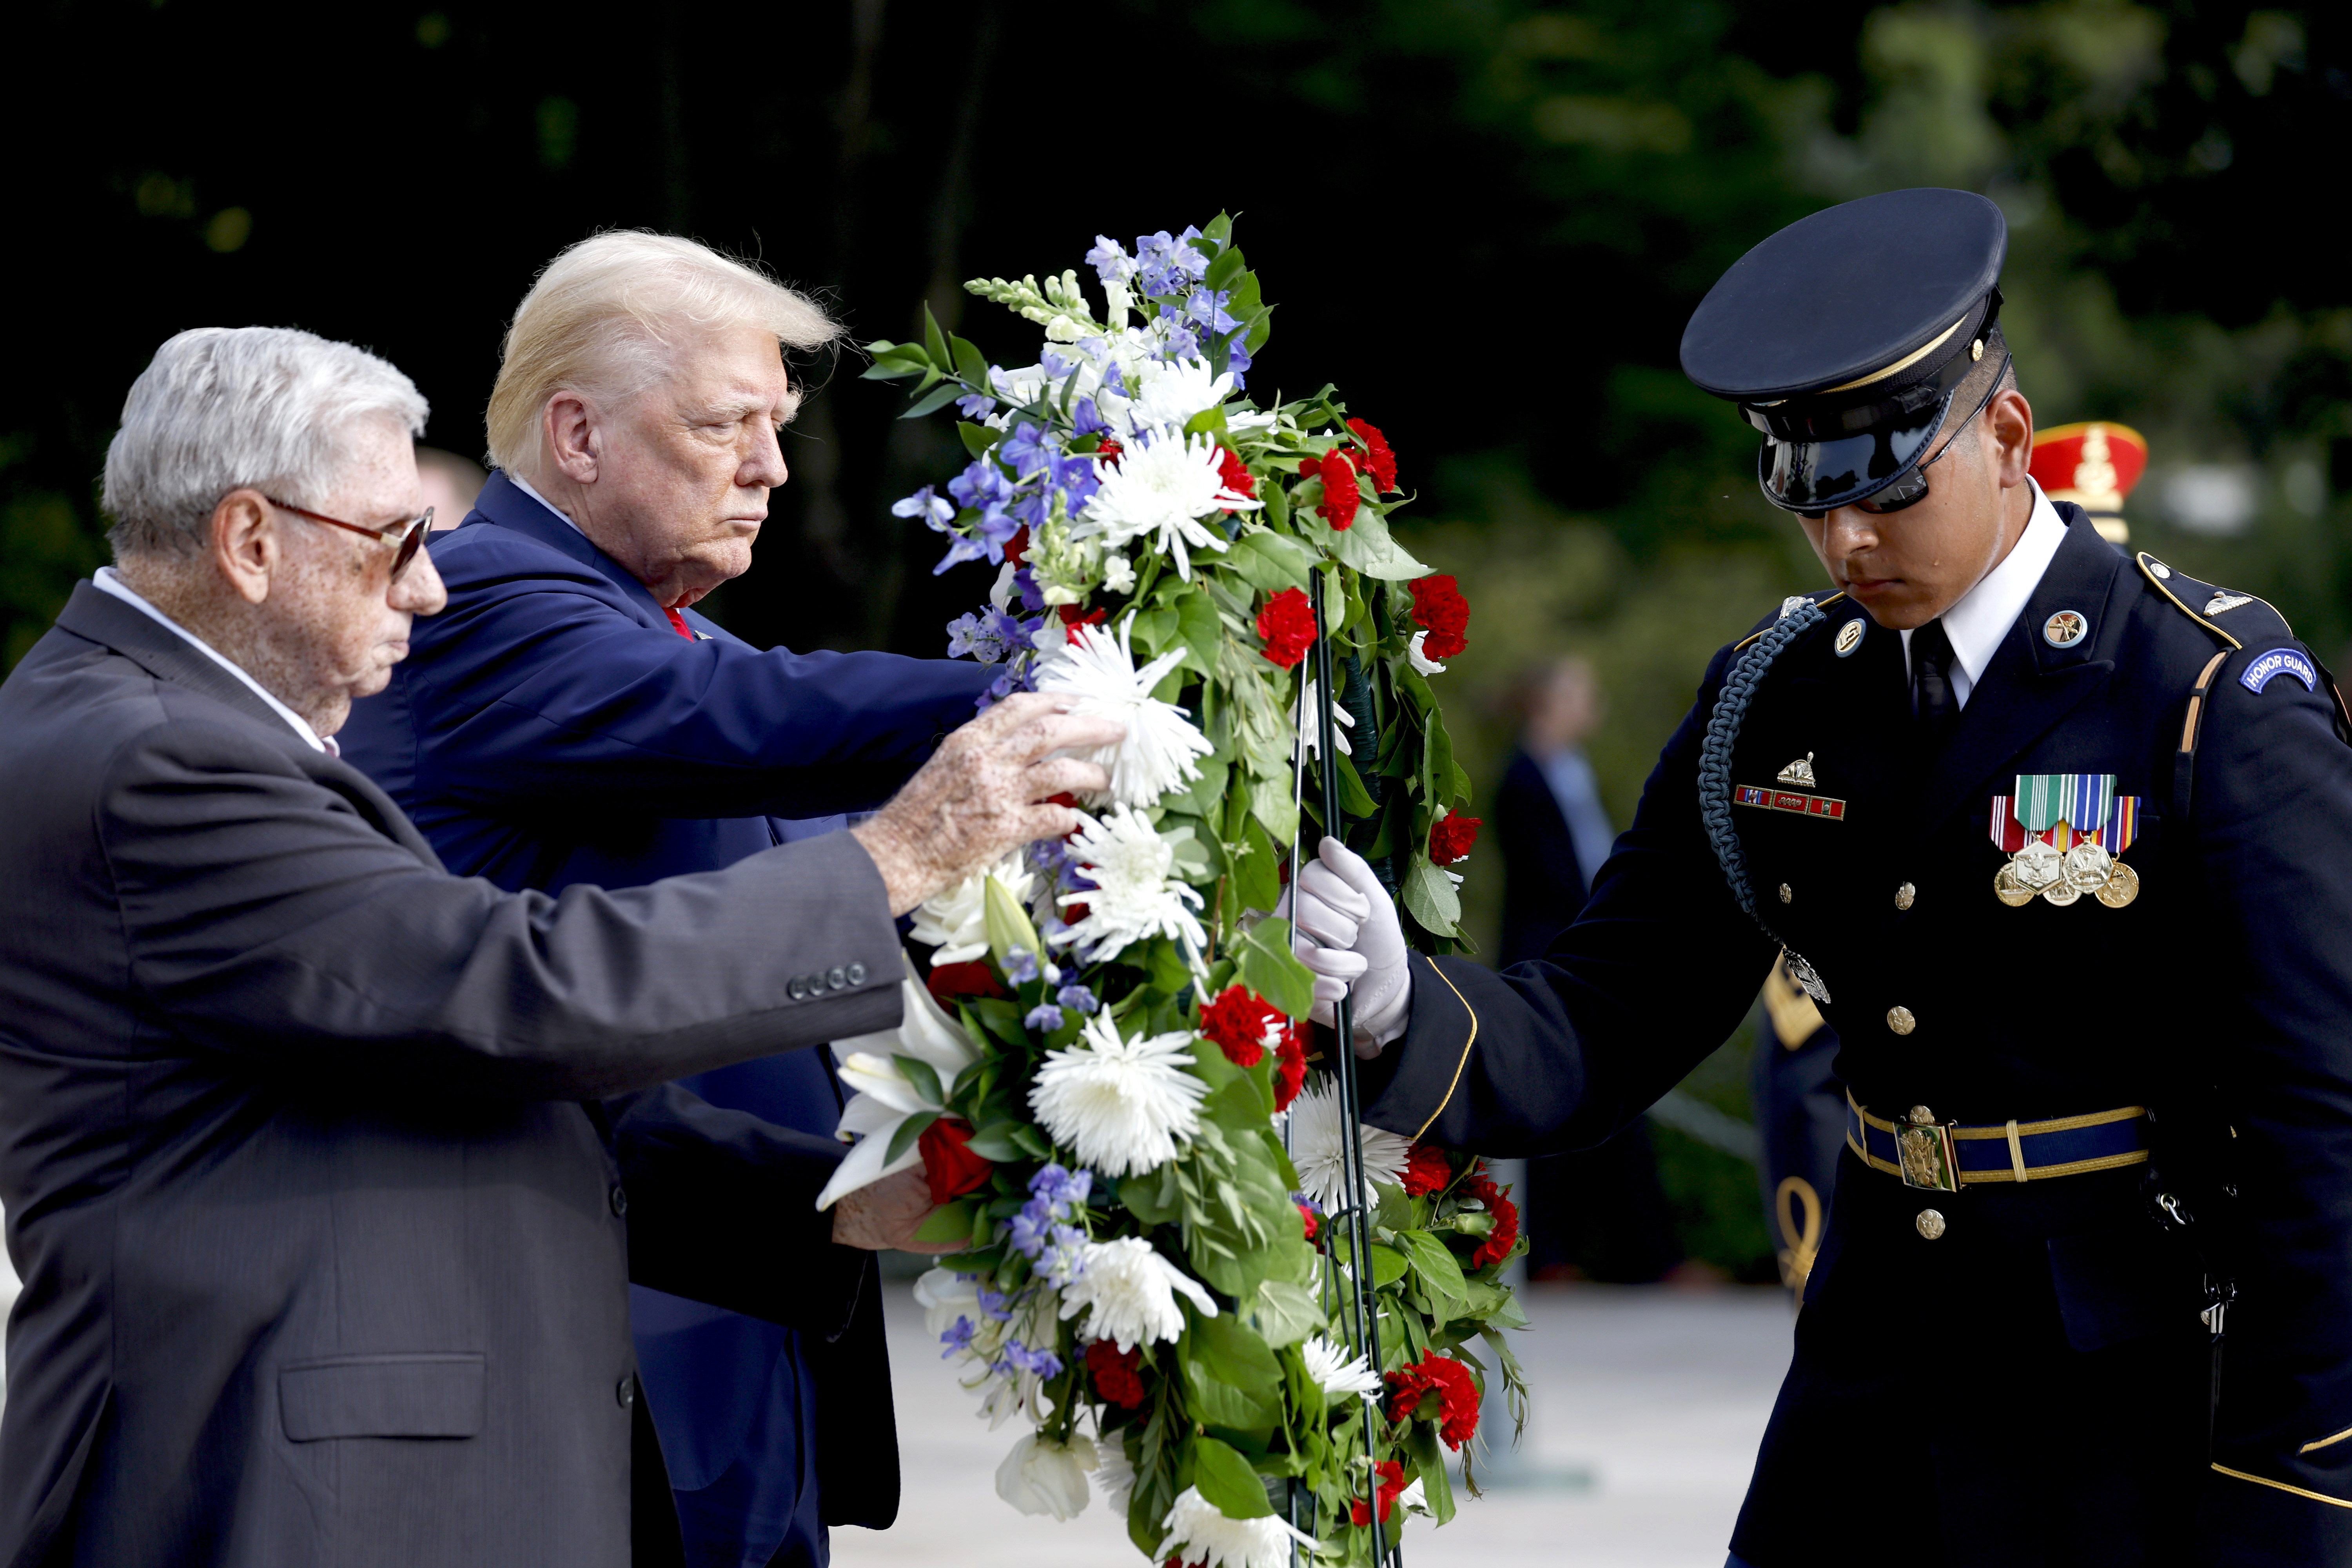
x=1849 y=636
x=2277 y=662
x=2064 y=630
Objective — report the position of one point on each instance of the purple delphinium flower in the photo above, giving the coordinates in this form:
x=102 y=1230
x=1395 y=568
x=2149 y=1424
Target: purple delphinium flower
x=1110 y=261
x=1208 y=307
x=1168 y=265
x=989 y=635
x=976 y=405
x=1078 y=999
x=1020 y=965
x=996 y=1304
x=1044 y=1018
x=958 y=1337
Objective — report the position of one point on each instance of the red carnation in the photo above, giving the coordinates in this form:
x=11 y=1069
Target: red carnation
x=1450 y=1380
x=1392 y=1485
x=1072 y=617
x=1340 y=495
x=1238 y=1021
x=1426 y=1171
x=1290 y=1069
x=1450 y=837
x=949 y=980
x=1380 y=458
x=949 y=1165
x=1108 y=453
x=1286 y=627
x=1438 y=605
x=1306 y=1217
x=1235 y=475
x=1016 y=548
x=1506 y=1234
x=1116 y=1374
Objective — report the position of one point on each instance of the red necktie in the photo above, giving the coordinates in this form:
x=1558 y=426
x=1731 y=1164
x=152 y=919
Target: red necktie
x=679 y=621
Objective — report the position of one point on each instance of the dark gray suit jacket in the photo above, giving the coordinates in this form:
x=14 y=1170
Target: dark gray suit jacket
x=318 y=1219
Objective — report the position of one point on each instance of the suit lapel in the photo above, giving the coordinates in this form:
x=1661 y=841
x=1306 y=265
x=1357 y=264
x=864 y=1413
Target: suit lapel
x=503 y=501
x=2028 y=686
x=162 y=653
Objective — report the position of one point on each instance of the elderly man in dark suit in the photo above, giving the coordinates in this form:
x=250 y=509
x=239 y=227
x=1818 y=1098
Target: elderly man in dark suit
x=316 y=1157
x=569 y=720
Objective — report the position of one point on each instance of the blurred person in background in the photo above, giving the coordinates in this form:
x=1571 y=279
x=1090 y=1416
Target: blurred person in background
x=570 y=719
x=326 y=1170
x=451 y=484
x=1598 y=1213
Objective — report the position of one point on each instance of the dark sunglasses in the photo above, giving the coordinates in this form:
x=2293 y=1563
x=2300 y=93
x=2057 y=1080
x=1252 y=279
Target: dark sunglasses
x=1911 y=487
x=410 y=536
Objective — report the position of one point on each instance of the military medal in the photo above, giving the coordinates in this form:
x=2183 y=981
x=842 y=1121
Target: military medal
x=2063 y=833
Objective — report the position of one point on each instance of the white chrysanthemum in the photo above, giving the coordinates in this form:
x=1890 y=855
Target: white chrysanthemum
x=1134 y=896
x=885 y=1098
x=1161 y=491
x=1179 y=392
x=1115 y=1474
x=1131 y=1291
x=955 y=922
x=1317 y=1136
x=1335 y=1370
x=1310 y=727
x=1422 y=663
x=1198 y=1533
x=1041 y=1475
x=1119 y=1104
x=1097 y=668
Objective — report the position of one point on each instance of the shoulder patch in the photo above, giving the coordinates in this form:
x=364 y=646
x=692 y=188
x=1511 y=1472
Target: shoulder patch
x=2278 y=662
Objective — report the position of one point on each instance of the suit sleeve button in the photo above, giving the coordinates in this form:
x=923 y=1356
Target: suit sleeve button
x=836 y=978
x=857 y=974
x=620 y=1200
x=795 y=989
x=626 y=1393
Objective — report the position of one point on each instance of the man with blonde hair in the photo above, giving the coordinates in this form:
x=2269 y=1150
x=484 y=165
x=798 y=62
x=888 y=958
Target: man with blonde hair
x=325 y=1170
x=571 y=720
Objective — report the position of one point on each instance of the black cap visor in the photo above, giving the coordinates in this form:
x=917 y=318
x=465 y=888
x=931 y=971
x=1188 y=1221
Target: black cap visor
x=1819 y=475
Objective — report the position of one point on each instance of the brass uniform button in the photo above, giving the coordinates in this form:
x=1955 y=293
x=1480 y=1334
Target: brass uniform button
x=1900 y=1020
x=1786 y=893
x=1903 y=895
x=1930 y=1223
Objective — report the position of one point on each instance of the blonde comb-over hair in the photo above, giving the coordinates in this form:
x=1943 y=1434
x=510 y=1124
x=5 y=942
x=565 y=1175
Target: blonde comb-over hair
x=608 y=317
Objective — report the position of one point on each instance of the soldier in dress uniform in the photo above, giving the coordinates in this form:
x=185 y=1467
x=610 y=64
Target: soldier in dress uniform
x=2069 y=870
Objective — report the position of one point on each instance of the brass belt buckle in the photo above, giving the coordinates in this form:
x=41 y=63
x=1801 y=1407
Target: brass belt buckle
x=1929 y=1161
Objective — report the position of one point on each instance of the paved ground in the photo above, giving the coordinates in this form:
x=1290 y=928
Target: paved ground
x=1648 y=1403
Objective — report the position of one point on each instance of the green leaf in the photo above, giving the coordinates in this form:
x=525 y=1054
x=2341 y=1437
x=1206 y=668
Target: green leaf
x=1431 y=898
x=1224 y=269
x=1257 y=872
x=1433 y=1265
x=1354 y=799
x=970 y=363
x=1368 y=546
x=946 y=392
x=1273 y=971
x=1153 y=1199
x=936 y=340
x=1231 y=1379
x=1420 y=1441
x=889 y=370
x=978 y=439
x=995 y=1142
x=907 y=1131
x=1389 y=1264
x=949 y=1222
x=1286 y=1313
x=1006 y=922
x=1227 y=1481
x=1202 y=632
x=923 y=1077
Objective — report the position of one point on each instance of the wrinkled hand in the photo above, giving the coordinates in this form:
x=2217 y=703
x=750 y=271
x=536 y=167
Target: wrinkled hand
x=984 y=792
x=1351 y=938
x=887 y=1214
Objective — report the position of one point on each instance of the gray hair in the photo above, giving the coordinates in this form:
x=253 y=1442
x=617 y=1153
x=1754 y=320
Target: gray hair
x=224 y=407
x=605 y=320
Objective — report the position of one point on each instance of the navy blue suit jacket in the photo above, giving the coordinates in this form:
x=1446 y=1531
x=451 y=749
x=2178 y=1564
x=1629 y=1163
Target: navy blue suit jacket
x=550 y=727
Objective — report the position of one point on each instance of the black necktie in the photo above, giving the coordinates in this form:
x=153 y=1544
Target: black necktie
x=1932 y=698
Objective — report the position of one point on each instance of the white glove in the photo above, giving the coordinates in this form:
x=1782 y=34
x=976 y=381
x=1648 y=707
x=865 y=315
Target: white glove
x=1350 y=937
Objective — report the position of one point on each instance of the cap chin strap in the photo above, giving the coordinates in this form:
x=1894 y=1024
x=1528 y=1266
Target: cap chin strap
x=1803 y=419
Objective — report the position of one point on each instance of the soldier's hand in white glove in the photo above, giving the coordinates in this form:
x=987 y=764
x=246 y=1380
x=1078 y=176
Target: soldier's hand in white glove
x=1350 y=937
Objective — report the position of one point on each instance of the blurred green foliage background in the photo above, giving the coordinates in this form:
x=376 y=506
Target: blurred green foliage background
x=1486 y=220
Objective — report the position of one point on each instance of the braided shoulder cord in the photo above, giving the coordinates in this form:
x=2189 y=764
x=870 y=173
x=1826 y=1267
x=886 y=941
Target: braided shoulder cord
x=1798 y=614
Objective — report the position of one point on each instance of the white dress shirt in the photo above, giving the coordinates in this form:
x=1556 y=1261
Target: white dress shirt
x=1985 y=613
x=524 y=485
x=107 y=580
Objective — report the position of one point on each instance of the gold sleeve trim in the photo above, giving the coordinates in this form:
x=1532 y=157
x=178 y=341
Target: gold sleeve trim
x=2265 y=1481
x=2326 y=1442
x=1751 y=637
x=2157 y=582
x=1456 y=1081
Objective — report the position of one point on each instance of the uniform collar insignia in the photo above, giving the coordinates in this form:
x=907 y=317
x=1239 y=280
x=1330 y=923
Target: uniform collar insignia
x=2223 y=599
x=1800 y=771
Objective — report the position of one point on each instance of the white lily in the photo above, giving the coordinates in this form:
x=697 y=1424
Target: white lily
x=885 y=1096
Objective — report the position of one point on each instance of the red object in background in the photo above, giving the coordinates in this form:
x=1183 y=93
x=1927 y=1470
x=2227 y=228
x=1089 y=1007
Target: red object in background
x=1392 y=1485
x=2094 y=464
x=1108 y=453
x=1314 y=1226
x=949 y=980
x=1457 y=1397
x=1426 y=1171
x=1116 y=1372
x=1286 y=627
x=1438 y=605
x=1016 y=548
x=1506 y=1234
x=1235 y=476
x=1237 y=1022
x=950 y=1167
x=1380 y=458
x=1072 y=617
x=1451 y=837
x=1290 y=1069
x=1340 y=495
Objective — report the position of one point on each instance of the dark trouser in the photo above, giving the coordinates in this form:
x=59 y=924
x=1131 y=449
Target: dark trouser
x=1601 y=1212
x=2029 y=1389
